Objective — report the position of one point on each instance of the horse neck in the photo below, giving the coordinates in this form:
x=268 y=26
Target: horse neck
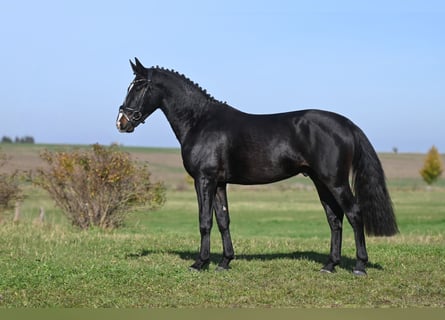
x=184 y=104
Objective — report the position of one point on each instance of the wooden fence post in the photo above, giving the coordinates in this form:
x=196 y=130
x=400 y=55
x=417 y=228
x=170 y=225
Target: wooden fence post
x=17 y=212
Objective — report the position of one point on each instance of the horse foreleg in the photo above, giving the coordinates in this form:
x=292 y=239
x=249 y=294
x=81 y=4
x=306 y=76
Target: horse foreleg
x=222 y=217
x=205 y=191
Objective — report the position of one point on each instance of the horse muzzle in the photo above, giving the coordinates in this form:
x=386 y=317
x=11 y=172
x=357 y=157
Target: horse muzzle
x=123 y=123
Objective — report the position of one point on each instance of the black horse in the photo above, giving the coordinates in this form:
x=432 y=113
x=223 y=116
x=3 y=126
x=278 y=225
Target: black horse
x=221 y=145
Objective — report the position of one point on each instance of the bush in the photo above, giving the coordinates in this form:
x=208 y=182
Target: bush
x=433 y=167
x=10 y=191
x=98 y=187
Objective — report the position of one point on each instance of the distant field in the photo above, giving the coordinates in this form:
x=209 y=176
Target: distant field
x=280 y=235
x=402 y=170
x=165 y=164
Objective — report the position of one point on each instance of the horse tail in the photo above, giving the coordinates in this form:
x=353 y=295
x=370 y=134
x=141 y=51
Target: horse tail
x=370 y=189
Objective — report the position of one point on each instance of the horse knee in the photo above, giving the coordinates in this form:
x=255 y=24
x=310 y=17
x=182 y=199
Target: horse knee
x=205 y=230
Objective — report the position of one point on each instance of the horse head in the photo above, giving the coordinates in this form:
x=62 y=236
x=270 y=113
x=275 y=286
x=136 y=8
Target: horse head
x=141 y=100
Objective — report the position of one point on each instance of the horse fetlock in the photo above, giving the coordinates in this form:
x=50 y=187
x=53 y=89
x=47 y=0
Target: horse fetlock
x=224 y=263
x=360 y=268
x=329 y=267
x=200 y=265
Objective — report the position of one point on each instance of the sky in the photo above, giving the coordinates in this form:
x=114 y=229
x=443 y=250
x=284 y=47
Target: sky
x=64 y=65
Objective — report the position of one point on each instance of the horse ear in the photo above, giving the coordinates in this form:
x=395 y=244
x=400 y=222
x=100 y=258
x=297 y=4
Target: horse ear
x=138 y=68
x=133 y=66
x=139 y=64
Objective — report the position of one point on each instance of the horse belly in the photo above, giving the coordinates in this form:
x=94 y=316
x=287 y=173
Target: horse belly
x=257 y=168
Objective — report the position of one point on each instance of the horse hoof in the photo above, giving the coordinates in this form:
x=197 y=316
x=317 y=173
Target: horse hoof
x=222 y=269
x=199 y=266
x=359 y=273
x=193 y=269
x=327 y=271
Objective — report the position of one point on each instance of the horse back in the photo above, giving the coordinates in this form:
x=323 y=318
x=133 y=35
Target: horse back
x=241 y=148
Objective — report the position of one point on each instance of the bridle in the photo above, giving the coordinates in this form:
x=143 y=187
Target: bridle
x=134 y=115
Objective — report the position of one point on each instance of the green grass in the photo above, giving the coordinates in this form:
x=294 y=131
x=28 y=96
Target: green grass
x=280 y=235
x=281 y=240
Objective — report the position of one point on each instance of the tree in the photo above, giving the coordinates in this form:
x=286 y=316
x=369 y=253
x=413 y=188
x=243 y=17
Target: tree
x=98 y=187
x=6 y=139
x=433 y=167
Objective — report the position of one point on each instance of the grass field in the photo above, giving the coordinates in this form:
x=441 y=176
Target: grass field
x=280 y=235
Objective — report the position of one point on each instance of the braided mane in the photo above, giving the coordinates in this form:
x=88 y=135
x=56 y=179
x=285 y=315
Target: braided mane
x=189 y=81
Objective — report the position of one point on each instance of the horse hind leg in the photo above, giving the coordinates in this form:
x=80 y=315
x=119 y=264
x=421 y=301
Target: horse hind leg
x=334 y=215
x=221 y=208
x=348 y=203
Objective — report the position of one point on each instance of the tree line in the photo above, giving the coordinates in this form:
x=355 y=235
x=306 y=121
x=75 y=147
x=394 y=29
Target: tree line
x=25 y=139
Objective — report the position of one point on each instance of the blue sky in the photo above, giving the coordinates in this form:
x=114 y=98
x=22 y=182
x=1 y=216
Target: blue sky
x=64 y=64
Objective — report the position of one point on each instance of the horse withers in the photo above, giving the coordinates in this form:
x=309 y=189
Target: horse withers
x=221 y=145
